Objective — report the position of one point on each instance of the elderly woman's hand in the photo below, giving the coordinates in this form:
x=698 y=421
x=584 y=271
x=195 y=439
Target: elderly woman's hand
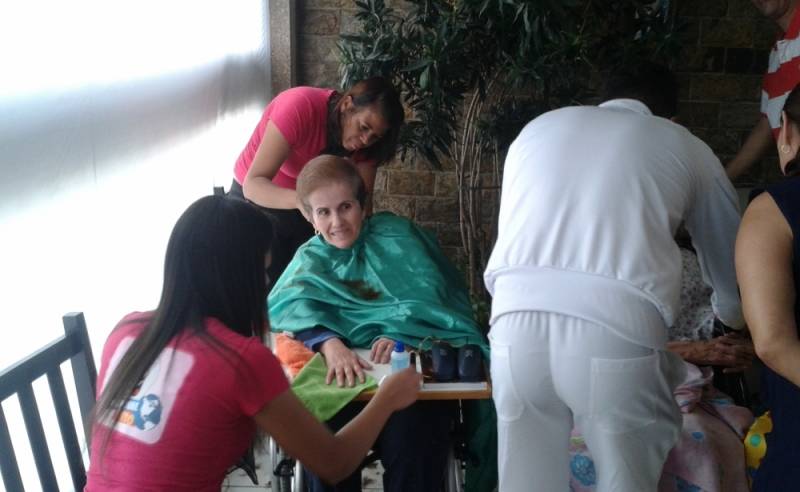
x=733 y=351
x=343 y=364
x=382 y=351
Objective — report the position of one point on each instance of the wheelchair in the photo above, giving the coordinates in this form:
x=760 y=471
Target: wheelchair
x=287 y=473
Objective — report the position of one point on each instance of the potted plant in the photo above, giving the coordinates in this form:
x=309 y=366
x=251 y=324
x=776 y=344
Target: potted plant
x=473 y=72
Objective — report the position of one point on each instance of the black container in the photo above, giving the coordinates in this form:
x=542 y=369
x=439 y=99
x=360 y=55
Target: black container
x=444 y=362
x=470 y=362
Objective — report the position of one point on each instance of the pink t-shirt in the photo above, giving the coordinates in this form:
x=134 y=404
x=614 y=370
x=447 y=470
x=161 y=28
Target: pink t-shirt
x=191 y=417
x=301 y=115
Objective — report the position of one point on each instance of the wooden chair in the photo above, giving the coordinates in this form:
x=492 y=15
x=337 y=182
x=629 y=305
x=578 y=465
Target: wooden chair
x=18 y=379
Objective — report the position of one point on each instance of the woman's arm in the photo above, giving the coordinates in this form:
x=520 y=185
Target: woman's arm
x=757 y=142
x=258 y=186
x=335 y=457
x=313 y=338
x=764 y=271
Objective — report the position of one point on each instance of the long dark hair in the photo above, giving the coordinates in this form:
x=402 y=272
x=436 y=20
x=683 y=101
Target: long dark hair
x=792 y=109
x=376 y=93
x=214 y=268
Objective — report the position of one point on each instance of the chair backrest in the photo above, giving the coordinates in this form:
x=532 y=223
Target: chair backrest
x=18 y=379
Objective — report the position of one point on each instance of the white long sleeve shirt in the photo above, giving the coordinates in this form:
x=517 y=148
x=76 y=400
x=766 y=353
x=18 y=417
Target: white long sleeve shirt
x=591 y=199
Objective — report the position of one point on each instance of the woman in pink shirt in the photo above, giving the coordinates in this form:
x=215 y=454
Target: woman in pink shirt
x=183 y=389
x=302 y=123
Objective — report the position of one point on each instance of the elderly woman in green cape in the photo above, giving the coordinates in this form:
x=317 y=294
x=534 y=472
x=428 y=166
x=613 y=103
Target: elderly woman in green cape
x=367 y=283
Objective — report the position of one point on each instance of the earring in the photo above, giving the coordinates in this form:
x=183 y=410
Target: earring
x=785 y=149
x=316 y=232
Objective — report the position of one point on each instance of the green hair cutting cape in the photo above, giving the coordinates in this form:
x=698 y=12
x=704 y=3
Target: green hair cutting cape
x=393 y=282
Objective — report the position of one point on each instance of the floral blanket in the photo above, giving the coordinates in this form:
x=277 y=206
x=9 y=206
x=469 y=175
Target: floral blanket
x=709 y=455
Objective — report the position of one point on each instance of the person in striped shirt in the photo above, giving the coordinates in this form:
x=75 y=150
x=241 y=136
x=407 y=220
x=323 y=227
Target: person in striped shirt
x=783 y=73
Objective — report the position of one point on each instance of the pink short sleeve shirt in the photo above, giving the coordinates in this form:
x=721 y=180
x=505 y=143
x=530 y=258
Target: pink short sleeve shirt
x=301 y=115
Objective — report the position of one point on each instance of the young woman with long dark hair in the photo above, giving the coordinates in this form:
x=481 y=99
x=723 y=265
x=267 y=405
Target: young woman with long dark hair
x=182 y=389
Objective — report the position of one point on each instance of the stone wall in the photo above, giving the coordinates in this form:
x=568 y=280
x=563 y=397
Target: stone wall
x=726 y=43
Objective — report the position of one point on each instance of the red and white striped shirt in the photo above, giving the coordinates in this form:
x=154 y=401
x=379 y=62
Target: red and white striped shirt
x=783 y=74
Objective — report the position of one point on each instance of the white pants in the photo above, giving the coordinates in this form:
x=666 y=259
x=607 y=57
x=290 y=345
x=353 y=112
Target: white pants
x=550 y=371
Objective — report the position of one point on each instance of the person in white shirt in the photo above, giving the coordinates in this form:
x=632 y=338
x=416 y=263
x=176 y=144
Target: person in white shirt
x=585 y=279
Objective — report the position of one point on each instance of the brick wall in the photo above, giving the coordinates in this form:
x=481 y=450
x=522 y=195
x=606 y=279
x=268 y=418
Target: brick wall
x=726 y=43
x=726 y=46
x=411 y=189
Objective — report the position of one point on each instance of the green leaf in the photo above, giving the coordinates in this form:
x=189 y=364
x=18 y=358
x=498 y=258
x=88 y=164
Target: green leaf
x=416 y=65
x=353 y=38
x=423 y=78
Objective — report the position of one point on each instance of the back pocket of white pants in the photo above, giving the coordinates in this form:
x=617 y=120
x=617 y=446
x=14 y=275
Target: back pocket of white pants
x=623 y=392
x=504 y=392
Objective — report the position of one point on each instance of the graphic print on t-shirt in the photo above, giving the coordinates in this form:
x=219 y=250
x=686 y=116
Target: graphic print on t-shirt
x=146 y=413
x=141 y=411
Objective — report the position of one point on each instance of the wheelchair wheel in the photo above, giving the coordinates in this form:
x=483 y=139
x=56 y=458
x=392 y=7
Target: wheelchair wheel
x=287 y=473
x=454 y=481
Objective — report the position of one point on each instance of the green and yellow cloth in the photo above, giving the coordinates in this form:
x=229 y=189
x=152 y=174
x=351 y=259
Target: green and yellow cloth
x=321 y=399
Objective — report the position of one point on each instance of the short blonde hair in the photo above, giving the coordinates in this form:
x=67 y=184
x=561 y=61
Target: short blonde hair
x=325 y=170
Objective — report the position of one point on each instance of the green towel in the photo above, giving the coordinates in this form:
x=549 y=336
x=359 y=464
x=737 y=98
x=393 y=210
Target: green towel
x=325 y=400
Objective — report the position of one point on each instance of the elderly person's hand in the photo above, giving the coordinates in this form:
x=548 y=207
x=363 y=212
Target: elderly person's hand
x=733 y=351
x=343 y=364
x=382 y=351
